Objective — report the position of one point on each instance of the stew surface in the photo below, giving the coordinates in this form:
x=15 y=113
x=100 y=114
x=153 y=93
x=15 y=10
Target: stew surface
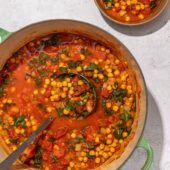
x=129 y=10
x=60 y=74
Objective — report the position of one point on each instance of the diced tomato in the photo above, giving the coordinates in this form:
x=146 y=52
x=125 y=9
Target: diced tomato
x=147 y=11
x=64 y=162
x=45 y=155
x=30 y=151
x=88 y=132
x=47 y=145
x=58 y=167
x=48 y=91
x=78 y=90
x=121 y=66
x=12 y=133
x=145 y=1
x=60 y=132
x=59 y=153
x=51 y=49
x=105 y=93
x=76 y=57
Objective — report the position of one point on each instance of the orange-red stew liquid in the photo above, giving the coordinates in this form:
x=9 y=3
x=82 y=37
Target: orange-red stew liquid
x=30 y=91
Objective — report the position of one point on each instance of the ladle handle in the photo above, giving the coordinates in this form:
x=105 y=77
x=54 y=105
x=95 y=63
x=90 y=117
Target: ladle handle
x=7 y=163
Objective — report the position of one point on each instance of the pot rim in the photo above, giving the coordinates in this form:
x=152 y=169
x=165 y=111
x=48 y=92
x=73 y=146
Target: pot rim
x=124 y=48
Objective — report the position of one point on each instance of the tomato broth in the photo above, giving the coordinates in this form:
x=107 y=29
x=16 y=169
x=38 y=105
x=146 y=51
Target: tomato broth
x=80 y=137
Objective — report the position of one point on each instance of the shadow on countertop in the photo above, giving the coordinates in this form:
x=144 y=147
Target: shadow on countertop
x=144 y=29
x=153 y=132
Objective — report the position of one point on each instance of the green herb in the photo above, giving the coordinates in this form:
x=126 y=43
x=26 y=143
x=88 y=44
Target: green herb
x=84 y=94
x=118 y=95
x=93 y=67
x=55 y=60
x=69 y=105
x=43 y=58
x=54 y=158
x=38 y=158
x=54 y=75
x=89 y=156
x=104 y=141
x=20 y=121
x=78 y=140
x=33 y=62
x=6 y=66
x=90 y=145
x=116 y=84
x=60 y=111
x=41 y=106
x=51 y=139
x=153 y=4
x=55 y=40
x=1 y=121
x=85 y=51
x=38 y=81
x=80 y=103
x=83 y=114
x=107 y=110
x=125 y=116
x=74 y=64
x=65 y=51
x=2 y=91
x=15 y=141
x=43 y=73
x=118 y=133
x=6 y=80
x=63 y=69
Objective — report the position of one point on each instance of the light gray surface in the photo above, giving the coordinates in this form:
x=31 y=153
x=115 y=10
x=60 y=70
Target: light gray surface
x=150 y=44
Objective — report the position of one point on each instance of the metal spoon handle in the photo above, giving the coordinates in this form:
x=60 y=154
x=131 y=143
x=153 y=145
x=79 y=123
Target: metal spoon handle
x=6 y=164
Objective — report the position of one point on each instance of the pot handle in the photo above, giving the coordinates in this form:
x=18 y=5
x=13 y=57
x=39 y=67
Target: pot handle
x=4 y=34
x=143 y=143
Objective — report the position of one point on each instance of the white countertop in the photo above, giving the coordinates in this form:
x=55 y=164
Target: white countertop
x=150 y=44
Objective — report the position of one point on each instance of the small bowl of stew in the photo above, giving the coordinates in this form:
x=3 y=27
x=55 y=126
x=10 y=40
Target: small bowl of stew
x=131 y=12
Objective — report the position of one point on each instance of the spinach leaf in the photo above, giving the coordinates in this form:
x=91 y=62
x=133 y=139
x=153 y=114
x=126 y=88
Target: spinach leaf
x=6 y=66
x=85 y=51
x=83 y=114
x=38 y=158
x=118 y=95
x=51 y=139
x=41 y=106
x=69 y=106
x=54 y=158
x=43 y=58
x=153 y=4
x=63 y=69
x=89 y=156
x=2 y=91
x=1 y=121
x=90 y=145
x=80 y=103
x=20 y=121
x=118 y=133
x=38 y=81
x=15 y=141
x=55 y=40
x=73 y=64
x=55 y=60
x=93 y=67
x=43 y=72
x=60 y=111
x=107 y=110
x=125 y=116
x=65 y=51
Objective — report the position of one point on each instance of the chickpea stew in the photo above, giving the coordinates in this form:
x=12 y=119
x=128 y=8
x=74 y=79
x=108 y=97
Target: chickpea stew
x=129 y=10
x=58 y=74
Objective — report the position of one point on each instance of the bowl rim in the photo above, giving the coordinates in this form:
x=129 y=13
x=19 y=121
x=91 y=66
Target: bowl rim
x=89 y=25
x=145 y=21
